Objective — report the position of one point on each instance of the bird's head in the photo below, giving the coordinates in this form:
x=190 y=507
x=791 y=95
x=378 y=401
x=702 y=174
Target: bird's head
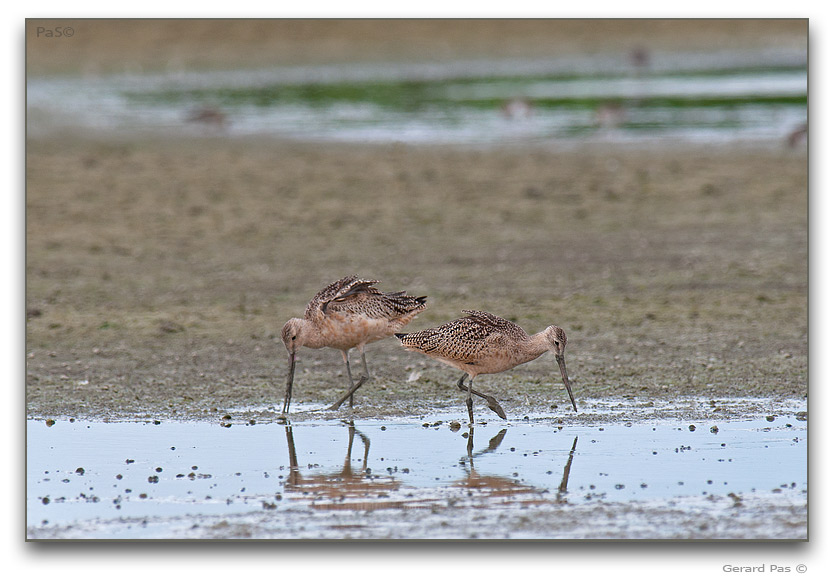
x=556 y=340
x=293 y=334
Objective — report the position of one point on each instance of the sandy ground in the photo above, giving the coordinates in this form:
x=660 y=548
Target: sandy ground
x=159 y=274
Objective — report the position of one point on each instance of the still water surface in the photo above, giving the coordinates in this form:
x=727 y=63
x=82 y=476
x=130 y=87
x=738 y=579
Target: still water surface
x=89 y=471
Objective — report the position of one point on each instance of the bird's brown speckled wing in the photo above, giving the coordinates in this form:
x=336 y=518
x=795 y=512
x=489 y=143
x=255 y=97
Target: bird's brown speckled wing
x=502 y=326
x=338 y=290
x=372 y=304
x=464 y=339
x=352 y=295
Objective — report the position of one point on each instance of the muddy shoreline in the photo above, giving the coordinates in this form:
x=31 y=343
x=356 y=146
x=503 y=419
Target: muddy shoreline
x=160 y=273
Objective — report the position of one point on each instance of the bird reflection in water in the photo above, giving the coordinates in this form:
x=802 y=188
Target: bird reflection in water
x=350 y=488
x=344 y=489
x=491 y=486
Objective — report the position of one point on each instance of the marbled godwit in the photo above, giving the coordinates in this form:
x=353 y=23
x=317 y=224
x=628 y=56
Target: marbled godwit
x=798 y=135
x=349 y=313
x=639 y=58
x=483 y=343
x=517 y=108
x=209 y=116
x=609 y=114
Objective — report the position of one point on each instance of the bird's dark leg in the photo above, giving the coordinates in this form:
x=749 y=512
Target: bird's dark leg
x=363 y=378
x=352 y=388
x=367 y=375
x=350 y=377
x=469 y=403
x=335 y=406
x=491 y=402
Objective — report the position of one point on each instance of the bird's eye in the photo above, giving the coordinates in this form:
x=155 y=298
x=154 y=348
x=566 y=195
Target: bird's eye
x=293 y=338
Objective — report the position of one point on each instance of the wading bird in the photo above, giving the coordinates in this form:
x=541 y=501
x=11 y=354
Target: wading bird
x=349 y=313
x=483 y=343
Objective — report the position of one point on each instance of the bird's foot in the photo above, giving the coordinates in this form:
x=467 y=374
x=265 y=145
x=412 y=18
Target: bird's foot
x=492 y=403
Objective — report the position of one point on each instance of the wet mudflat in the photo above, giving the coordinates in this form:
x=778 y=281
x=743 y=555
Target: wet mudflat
x=422 y=477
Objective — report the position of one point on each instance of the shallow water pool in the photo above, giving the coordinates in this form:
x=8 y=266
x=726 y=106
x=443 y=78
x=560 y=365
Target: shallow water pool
x=134 y=479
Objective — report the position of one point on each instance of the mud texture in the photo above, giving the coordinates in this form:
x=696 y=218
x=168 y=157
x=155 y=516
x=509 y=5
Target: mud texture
x=159 y=274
